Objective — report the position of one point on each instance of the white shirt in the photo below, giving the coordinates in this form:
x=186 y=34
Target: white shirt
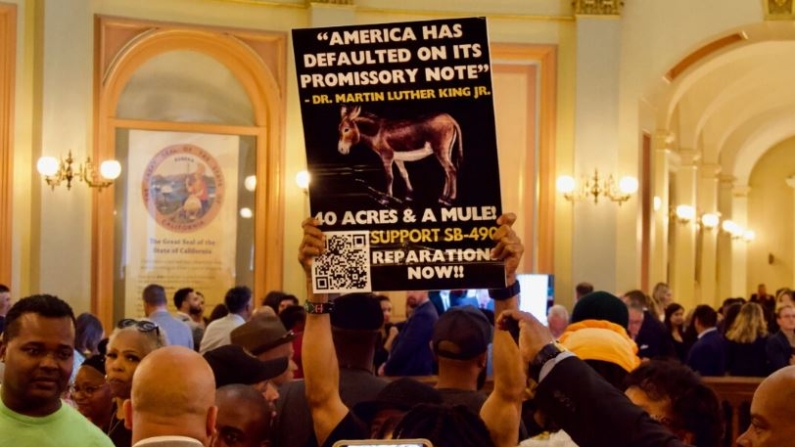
x=217 y=332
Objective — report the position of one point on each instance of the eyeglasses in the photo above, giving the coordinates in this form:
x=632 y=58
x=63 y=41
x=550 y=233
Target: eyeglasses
x=87 y=390
x=141 y=325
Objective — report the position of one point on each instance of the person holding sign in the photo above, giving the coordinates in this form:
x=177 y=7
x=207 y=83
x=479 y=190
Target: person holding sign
x=333 y=421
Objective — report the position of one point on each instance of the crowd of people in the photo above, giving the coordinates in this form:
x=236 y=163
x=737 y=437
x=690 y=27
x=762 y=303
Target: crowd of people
x=615 y=371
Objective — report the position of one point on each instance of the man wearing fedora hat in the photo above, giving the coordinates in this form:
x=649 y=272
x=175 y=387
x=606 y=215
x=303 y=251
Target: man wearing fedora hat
x=265 y=337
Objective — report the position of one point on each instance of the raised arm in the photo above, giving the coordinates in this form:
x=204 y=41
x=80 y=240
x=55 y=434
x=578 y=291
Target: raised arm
x=502 y=410
x=321 y=368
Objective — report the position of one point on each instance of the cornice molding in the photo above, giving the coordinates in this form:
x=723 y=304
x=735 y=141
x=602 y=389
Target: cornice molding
x=778 y=9
x=604 y=8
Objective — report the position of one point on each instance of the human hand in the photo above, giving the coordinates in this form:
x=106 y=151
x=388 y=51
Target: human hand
x=532 y=334
x=393 y=332
x=509 y=246
x=312 y=245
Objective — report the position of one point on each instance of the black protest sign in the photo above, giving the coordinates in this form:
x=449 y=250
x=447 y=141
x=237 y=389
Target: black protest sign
x=402 y=152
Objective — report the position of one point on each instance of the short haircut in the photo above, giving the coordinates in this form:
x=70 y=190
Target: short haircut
x=273 y=298
x=694 y=406
x=705 y=315
x=155 y=295
x=88 y=333
x=292 y=315
x=636 y=299
x=444 y=426
x=48 y=306
x=584 y=288
x=181 y=295
x=237 y=298
x=560 y=311
x=4 y=288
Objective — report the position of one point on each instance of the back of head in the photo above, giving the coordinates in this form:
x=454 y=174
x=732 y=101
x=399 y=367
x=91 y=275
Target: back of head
x=88 y=333
x=181 y=295
x=601 y=306
x=173 y=393
x=461 y=333
x=48 y=306
x=293 y=317
x=444 y=426
x=155 y=295
x=705 y=315
x=749 y=325
x=637 y=299
x=237 y=299
x=693 y=405
x=354 y=327
x=583 y=288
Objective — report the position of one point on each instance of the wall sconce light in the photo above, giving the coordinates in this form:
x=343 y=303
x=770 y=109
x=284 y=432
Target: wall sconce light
x=596 y=187
x=55 y=172
x=250 y=183
x=710 y=221
x=749 y=235
x=302 y=179
x=684 y=214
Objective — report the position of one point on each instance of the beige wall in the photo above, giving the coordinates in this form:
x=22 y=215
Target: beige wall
x=771 y=212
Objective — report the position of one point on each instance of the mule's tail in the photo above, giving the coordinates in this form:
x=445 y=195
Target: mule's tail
x=458 y=139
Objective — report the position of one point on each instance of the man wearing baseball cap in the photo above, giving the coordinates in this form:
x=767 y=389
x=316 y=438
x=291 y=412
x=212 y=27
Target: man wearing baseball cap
x=460 y=343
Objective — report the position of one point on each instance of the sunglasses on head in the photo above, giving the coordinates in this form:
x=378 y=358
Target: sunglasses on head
x=141 y=325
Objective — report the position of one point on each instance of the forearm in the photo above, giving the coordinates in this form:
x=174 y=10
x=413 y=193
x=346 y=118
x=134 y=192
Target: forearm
x=502 y=410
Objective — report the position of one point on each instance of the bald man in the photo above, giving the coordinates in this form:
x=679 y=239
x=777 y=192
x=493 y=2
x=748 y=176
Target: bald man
x=244 y=417
x=173 y=400
x=771 y=412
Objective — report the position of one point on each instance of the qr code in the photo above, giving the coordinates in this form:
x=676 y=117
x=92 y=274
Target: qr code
x=345 y=265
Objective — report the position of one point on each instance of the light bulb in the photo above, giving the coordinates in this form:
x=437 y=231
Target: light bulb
x=302 y=179
x=250 y=183
x=566 y=184
x=628 y=185
x=246 y=213
x=657 y=203
x=710 y=220
x=110 y=169
x=685 y=213
x=47 y=166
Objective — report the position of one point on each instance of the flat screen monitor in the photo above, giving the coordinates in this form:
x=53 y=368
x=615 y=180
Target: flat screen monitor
x=538 y=294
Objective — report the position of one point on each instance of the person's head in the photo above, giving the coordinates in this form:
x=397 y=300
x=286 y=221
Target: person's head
x=386 y=307
x=273 y=299
x=785 y=296
x=662 y=294
x=238 y=301
x=266 y=337
x=88 y=333
x=582 y=289
x=785 y=317
x=200 y=310
x=674 y=317
x=186 y=300
x=771 y=412
x=415 y=298
x=761 y=290
x=285 y=302
x=605 y=346
x=676 y=397
x=355 y=322
x=601 y=306
x=293 y=318
x=173 y=394
x=154 y=298
x=444 y=426
x=5 y=299
x=749 y=325
x=129 y=344
x=244 y=417
x=392 y=403
x=704 y=317
x=219 y=311
x=460 y=342
x=38 y=351
x=557 y=320
x=91 y=392
x=635 y=320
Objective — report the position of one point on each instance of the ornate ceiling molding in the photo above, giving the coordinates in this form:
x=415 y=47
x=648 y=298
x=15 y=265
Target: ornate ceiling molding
x=778 y=9
x=600 y=7
x=331 y=2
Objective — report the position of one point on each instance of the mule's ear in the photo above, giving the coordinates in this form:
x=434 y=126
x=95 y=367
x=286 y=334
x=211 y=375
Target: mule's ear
x=343 y=111
x=355 y=112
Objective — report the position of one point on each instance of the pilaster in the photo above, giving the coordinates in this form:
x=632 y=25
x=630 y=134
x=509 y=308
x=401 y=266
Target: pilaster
x=683 y=282
x=708 y=203
x=739 y=248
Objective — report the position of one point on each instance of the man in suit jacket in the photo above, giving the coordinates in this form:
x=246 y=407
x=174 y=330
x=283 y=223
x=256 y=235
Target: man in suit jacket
x=779 y=348
x=170 y=409
x=708 y=354
x=411 y=353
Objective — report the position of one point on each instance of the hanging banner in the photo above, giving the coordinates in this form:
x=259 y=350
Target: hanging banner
x=402 y=150
x=181 y=222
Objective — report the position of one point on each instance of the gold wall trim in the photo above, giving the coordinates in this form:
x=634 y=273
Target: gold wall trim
x=778 y=9
x=403 y=11
x=258 y=60
x=8 y=41
x=694 y=57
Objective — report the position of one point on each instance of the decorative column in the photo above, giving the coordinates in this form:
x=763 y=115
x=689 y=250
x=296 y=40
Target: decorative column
x=791 y=183
x=683 y=282
x=724 y=242
x=594 y=237
x=661 y=206
x=708 y=203
x=739 y=246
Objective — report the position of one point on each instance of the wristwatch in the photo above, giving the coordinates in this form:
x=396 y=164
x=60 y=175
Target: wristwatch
x=318 y=308
x=547 y=353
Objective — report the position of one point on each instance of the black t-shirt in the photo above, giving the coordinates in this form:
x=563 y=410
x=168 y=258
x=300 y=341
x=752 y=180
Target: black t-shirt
x=349 y=428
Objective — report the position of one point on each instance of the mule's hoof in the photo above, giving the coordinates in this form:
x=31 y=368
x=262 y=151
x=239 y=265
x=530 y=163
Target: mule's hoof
x=445 y=201
x=409 y=198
